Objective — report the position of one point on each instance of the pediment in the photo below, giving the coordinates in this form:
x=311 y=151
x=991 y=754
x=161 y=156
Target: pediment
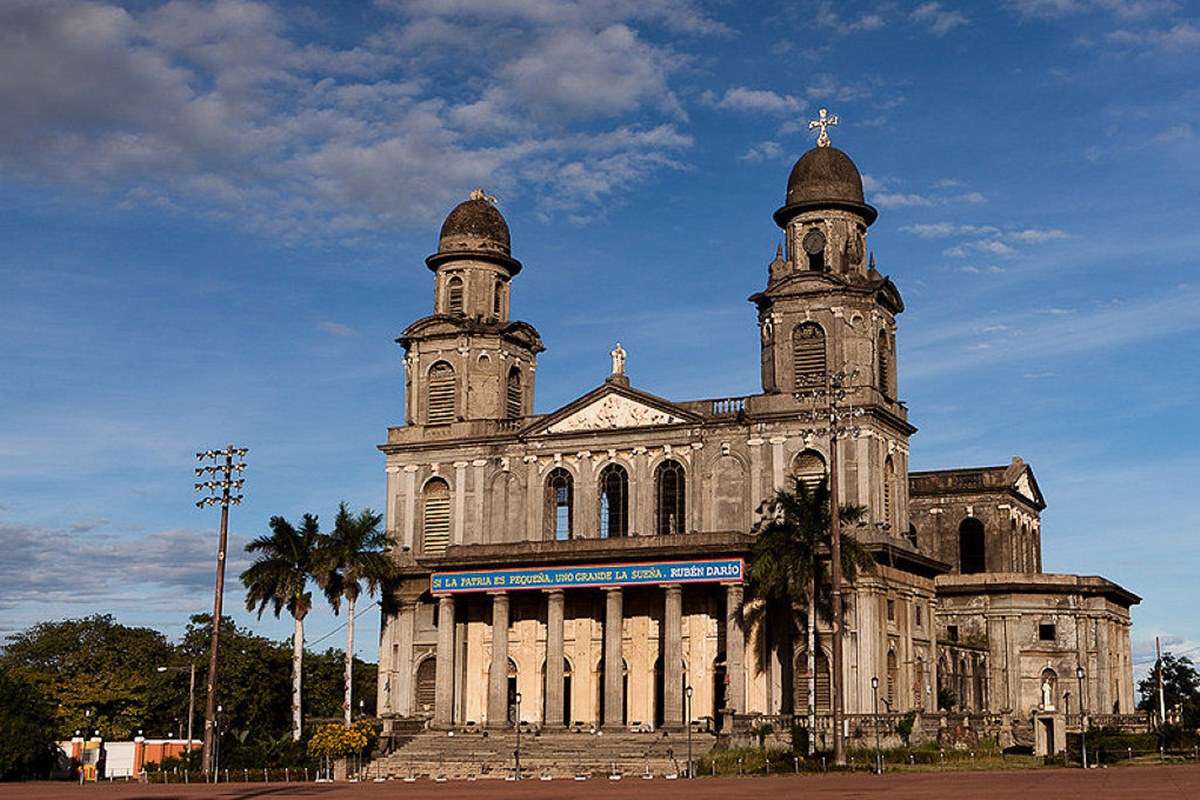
x=613 y=407
x=613 y=411
x=1027 y=488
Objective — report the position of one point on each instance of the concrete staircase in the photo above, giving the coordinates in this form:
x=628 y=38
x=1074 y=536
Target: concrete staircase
x=560 y=754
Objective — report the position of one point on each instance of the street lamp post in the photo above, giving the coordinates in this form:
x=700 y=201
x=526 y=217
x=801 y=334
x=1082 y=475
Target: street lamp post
x=517 y=724
x=216 y=752
x=875 y=693
x=191 y=696
x=832 y=415
x=1082 y=714
x=223 y=492
x=688 y=693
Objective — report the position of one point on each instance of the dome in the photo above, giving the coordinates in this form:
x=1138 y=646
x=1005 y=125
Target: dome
x=474 y=224
x=475 y=228
x=824 y=177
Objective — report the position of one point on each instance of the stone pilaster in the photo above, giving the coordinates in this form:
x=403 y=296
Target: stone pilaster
x=402 y=667
x=735 y=648
x=555 y=600
x=672 y=658
x=614 y=623
x=443 y=699
x=497 y=706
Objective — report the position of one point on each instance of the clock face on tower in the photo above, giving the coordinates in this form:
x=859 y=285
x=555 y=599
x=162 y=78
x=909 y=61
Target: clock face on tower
x=814 y=243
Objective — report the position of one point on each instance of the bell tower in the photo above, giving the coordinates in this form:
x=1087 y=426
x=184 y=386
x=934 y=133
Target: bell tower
x=827 y=309
x=468 y=361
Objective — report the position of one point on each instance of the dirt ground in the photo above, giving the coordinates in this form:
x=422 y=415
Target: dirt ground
x=1122 y=783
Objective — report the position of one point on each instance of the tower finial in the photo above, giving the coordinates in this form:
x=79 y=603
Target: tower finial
x=779 y=250
x=479 y=194
x=823 y=121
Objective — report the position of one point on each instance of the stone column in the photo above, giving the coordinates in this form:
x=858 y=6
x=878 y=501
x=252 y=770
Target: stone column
x=443 y=698
x=672 y=660
x=614 y=623
x=554 y=659
x=402 y=671
x=735 y=648
x=497 y=706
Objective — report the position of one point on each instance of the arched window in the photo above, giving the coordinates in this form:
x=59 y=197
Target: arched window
x=972 y=556
x=513 y=405
x=454 y=295
x=813 y=244
x=560 y=502
x=435 y=523
x=892 y=667
x=496 y=301
x=889 y=489
x=669 y=485
x=614 y=502
x=440 y=394
x=882 y=349
x=808 y=354
x=809 y=467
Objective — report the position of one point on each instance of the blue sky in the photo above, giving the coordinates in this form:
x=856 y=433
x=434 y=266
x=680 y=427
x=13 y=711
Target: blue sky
x=213 y=220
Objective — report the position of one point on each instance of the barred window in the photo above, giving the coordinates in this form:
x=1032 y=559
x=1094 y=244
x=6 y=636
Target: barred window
x=614 y=502
x=513 y=398
x=809 y=467
x=882 y=350
x=454 y=295
x=808 y=353
x=559 y=505
x=435 y=525
x=669 y=486
x=440 y=394
x=889 y=489
x=892 y=669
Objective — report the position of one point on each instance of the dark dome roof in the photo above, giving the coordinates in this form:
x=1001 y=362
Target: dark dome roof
x=825 y=176
x=824 y=173
x=474 y=224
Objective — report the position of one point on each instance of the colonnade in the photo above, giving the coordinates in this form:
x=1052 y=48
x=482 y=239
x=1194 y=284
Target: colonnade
x=613 y=687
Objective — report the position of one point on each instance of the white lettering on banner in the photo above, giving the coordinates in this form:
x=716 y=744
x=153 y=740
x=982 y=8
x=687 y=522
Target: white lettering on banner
x=597 y=575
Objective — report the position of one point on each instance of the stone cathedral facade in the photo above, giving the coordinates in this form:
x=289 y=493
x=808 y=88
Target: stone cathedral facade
x=591 y=560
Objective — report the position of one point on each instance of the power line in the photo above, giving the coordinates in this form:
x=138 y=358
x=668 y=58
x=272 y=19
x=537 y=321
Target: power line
x=344 y=624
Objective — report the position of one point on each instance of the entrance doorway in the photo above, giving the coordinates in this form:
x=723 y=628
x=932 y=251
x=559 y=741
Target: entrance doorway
x=512 y=692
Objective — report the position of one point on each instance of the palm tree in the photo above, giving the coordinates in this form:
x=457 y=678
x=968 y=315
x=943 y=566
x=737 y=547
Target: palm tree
x=351 y=556
x=788 y=568
x=279 y=578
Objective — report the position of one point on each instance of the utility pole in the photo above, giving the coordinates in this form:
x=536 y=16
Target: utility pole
x=1162 y=700
x=223 y=492
x=831 y=416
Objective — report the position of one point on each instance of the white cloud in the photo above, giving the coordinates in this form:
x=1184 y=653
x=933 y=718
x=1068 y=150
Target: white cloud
x=941 y=230
x=763 y=151
x=1181 y=36
x=1123 y=9
x=1043 y=334
x=901 y=200
x=213 y=109
x=826 y=16
x=939 y=20
x=170 y=568
x=743 y=98
x=335 y=328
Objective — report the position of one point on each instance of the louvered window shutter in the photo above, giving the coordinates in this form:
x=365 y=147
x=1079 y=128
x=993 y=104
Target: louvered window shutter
x=808 y=353
x=440 y=394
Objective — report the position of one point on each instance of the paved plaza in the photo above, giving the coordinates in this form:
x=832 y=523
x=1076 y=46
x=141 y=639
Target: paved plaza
x=1128 y=783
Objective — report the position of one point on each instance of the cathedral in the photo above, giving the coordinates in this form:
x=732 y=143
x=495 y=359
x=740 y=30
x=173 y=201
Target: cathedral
x=585 y=567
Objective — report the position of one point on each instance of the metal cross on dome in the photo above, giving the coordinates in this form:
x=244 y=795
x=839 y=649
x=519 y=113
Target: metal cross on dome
x=823 y=121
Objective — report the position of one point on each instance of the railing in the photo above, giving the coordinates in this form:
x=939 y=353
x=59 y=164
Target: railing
x=509 y=424
x=728 y=406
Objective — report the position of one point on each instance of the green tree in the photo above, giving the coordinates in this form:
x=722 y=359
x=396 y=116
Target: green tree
x=324 y=693
x=279 y=578
x=789 y=566
x=27 y=730
x=1181 y=687
x=353 y=557
x=97 y=674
